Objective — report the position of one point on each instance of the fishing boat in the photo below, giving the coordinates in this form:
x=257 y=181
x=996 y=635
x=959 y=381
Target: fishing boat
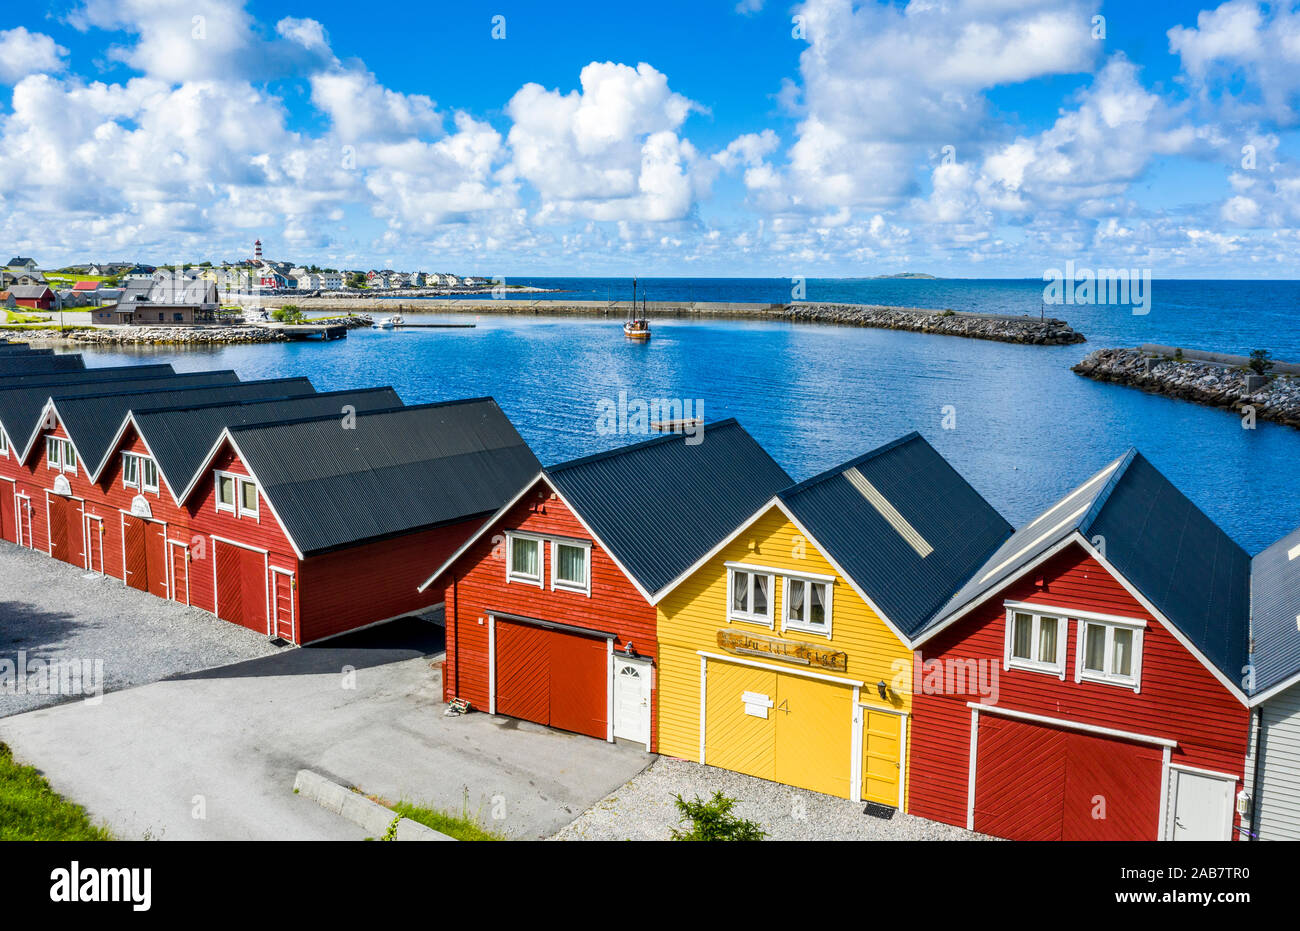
x=637 y=327
x=387 y=323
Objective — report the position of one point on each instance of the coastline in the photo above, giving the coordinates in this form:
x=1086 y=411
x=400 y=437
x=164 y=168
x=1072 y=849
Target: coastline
x=1005 y=328
x=1222 y=384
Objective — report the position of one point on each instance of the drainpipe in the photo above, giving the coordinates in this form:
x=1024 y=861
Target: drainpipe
x=1255 y=780
x=455 y=620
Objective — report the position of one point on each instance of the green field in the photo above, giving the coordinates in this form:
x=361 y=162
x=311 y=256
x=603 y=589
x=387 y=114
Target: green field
x=31 y=810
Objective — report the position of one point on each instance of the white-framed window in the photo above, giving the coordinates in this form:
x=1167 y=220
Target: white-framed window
x=60 y=454
x=806 y=605
x=1109 y=652
x=4 y=444
x=571 y=566
x=237 y=495
x=749 y=595
x=524 y=556
x=139 y=472
x=247 y=498
x=1035 y=640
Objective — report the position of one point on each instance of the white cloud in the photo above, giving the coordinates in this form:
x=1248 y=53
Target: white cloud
x=23 y=53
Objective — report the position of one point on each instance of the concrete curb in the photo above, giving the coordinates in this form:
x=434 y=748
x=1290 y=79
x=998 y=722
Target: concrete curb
x=372 y=816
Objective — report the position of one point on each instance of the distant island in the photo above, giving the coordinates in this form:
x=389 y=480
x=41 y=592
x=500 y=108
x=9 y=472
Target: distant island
x=905 y=275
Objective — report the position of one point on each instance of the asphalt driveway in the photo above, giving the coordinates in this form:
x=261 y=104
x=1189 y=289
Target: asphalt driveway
x=212 y=754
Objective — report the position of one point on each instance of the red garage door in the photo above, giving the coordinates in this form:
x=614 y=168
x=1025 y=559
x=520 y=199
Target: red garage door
x=65 y=530
x=1036 y=782
x=144 y=548
x=241 y=586
x=554 y=677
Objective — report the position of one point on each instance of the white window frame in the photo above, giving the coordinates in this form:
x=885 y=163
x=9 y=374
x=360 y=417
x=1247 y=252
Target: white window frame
x=558 y=584
x=65 y=451
x=139 y=483
x=233 y=506
x=767 y=620
x=256 y=511
x=4 y=444
x=511 y=575
x=1037 y=613
x=1082 y=674
x=788 y=623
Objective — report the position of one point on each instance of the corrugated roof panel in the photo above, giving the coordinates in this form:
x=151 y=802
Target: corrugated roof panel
x=84 y=375
x=181 y=438
x=918 y=535
x=21 y=407
x=29 y=364
x=94 y=421
x=660 y=505
x=1275 y=612
x=395 y=472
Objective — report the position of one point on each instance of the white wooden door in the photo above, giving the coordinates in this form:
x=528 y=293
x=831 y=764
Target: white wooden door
x=632 y=699
x=1200 y=805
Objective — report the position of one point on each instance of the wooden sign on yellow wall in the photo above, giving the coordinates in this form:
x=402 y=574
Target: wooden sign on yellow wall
x=791 y=651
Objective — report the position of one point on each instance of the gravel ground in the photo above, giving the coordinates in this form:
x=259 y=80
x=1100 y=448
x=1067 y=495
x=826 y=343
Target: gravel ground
x=53 y=611
x=643 y=809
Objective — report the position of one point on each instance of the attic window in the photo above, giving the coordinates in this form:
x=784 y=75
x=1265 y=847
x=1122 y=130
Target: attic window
x=523 y=559
x=237 y=494
x=139 y=472
x=1108 y=652
x=60 y=454
x=889 y=512
x=4 y=444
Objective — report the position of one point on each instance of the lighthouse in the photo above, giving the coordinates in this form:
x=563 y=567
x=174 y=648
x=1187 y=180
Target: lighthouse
x=257 y=251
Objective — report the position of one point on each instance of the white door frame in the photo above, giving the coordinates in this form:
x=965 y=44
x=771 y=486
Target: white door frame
x=275 y=606
x=646 y=669
x=1169 y=800
x=23 y=504
x=167 y=574
x=13 y=496
x=553 y=625
x=860 y=725
x=96 y=535
x=49 y=535
x=171 y=567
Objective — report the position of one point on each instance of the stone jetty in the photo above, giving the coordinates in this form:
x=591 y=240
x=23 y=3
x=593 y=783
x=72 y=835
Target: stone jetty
x=190 y=336
x=1217 y=380
x=1001 y=327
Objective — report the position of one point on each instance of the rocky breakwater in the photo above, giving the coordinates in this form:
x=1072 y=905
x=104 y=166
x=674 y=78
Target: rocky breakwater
x=1216 y=384
x=173 y=336
x=1047 y=331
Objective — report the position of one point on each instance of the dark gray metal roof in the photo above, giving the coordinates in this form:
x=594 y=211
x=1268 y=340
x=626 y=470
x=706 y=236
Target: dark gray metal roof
x=28 y=364
x=93 y=421
x=1160 y=542
x=22 y=349
x=903 y=524
x=85 y=375
x=21 y=407
x=660 y=505
x=1275 y=612
x=395 y=472
x=181 y=438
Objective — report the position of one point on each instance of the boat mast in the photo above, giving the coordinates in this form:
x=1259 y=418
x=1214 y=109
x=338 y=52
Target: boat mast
x=632 y=311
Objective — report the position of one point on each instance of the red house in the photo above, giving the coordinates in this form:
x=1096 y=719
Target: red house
x=1084 y=684
x=32 y=295
x=549 y=604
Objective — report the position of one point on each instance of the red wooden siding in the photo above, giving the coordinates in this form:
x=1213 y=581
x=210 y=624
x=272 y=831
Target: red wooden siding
x=477 y=587
x=1180 y=699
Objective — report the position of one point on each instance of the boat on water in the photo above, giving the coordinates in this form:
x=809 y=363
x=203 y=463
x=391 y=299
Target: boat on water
x=387 y=323
x=637 y=327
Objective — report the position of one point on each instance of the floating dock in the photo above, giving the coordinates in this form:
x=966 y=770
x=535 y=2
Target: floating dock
x=304 y=331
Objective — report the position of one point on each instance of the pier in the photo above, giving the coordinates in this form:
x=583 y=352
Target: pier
x=297 y=332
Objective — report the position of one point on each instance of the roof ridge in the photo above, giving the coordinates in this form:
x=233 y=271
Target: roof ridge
x=637 y=446
x=843 y=467
x=383 y=410
x=118 y=394
x=1112 y=481
x=249 y=402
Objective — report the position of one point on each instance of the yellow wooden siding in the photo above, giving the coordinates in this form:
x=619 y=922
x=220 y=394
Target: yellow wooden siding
x=691 y=615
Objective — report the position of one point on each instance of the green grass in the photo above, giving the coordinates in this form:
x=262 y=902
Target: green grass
x=31 y=810
x=12 y=316
x=461 y=827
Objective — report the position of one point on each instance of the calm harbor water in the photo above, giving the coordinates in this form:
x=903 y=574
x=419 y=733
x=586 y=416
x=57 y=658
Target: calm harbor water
x=1026 y=428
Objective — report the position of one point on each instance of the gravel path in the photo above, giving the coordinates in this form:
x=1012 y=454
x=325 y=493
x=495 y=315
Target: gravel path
x=50 y=611
x=643 y=809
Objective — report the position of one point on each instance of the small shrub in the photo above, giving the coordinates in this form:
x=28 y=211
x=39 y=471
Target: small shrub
x=949 y=312
x=1178 y=355
x=713 y=820
x=289 y=313
x=1260 y=361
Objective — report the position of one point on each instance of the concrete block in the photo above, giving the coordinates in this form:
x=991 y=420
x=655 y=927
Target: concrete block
x=372 y=816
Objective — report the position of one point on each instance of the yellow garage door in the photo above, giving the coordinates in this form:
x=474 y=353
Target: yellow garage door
x=739 y=732
x=882 y=746
x=814 y=735
x=786 y=728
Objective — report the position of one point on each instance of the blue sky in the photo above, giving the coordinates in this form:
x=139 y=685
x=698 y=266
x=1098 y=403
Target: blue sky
x=957 y=137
